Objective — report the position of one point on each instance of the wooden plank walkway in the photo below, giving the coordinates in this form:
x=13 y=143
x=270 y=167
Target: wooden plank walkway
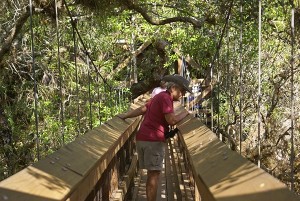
x=174 y=183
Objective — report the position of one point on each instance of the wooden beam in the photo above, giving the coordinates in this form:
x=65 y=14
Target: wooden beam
x=126 y=62
x=222 y=174
x=72 y=172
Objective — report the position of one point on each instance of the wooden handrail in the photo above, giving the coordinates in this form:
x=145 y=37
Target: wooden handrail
x=72 y=172
x=221 y=174
x=90 y=167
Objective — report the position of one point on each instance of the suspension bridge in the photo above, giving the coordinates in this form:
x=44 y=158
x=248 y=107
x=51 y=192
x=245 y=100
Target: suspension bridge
x=102 y=164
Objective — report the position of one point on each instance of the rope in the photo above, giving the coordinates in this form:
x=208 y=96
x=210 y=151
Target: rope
x=35 y=85
x=83 y=44
x=60 y=76
x=292 y=95
x=259 y=84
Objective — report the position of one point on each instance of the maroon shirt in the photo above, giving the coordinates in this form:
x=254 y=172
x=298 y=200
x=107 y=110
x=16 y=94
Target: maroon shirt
x=154 y=123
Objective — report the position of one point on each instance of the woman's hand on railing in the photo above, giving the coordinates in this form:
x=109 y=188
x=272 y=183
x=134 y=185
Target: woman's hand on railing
x=122 y=116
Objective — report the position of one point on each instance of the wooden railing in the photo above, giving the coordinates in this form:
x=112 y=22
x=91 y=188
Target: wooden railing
x=99 y=165
x=220 y=174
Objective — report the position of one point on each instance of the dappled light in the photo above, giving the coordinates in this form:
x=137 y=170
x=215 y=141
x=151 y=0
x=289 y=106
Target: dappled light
x=78 y=79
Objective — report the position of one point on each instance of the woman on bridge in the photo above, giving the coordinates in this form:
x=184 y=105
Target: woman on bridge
x=151 y=140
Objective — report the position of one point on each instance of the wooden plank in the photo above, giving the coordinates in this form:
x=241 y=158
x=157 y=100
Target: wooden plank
x=224 y=173
x=128 y=177
x=34 y=183
x=118 y=124
x=137 y=181
x=71 y=172
x=97 y=144
x=90 y=180
x=184 y=180
x=142 y=186
x=169 y=174
x=177 y=189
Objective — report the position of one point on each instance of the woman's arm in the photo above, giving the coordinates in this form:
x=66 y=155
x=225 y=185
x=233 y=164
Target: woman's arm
x=173 y=119
x=134 y=113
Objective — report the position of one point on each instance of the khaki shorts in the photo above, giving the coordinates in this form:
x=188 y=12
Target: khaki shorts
x=151 y=155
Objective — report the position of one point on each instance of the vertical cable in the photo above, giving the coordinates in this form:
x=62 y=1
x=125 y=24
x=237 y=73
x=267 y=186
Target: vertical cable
x=35 y=85
x=292 y=94
x=211 y=98
x=105 y=103
x=259 y=83
x=60 y=76
x=228 y=74
x=99 y=99
x=89 y=91
x=110 y=103
x=76 y=77
x=218 y=47
x=115 y=106
x=122 y=99
x=119 y=98
x=182 y=74
x=241 y=73
x=218 y=96
x=135 y=78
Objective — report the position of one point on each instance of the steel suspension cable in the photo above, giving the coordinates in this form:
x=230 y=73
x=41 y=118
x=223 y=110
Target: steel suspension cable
x=219 y=44
x=99 y=99
x=241 y=73
x=119 y=101
x=122 y=98
x=218 y=94
x=133 y=49
x=76 y=78
x=292 y=94
x=60 y=75
x=227 y=73
x=218 y=47
x=83 y=44
x=211 y=104
x=89 y=90
x=110 y=103
x=35 y=83
x=259 y=84
x=115 y=101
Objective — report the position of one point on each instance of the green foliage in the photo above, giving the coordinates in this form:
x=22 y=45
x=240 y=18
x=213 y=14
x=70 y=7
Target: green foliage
x=111 y=32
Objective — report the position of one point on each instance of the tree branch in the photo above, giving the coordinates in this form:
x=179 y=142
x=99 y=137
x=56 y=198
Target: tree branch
x=133 y=6
x=5 y=48
x=128 y=59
